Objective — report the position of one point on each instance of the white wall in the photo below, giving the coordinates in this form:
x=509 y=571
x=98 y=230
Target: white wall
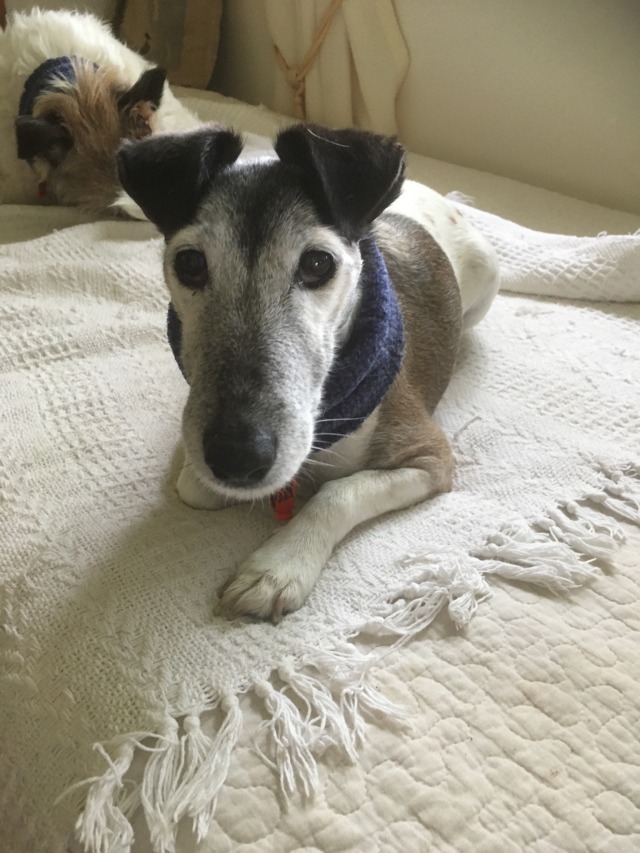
x=543 y=91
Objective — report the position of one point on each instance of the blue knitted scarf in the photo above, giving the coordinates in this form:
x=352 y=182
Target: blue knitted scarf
x=40 y=80
x=368 y=361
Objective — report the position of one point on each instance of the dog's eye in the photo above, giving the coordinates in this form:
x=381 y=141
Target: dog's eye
x=316 y=268
x=190 y=267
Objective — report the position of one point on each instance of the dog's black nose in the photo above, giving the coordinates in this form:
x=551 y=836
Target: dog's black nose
x=241 y=456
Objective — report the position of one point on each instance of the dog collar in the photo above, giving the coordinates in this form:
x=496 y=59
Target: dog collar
x=283 y=501
x=43 y=79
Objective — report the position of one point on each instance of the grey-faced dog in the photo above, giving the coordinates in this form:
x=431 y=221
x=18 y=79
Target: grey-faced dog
x=317 y=303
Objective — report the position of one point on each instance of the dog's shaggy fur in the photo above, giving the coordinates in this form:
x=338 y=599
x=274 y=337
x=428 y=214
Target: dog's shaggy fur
x=115 y=96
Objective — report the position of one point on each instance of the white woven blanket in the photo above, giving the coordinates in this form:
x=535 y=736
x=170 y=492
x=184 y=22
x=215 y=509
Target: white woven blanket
x=112 y=660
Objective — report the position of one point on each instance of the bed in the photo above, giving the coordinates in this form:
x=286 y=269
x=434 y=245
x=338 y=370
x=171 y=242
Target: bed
x=519 y=726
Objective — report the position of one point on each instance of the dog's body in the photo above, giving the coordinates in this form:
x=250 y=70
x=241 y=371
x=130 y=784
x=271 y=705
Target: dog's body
x=281 y=306
x=70 y=134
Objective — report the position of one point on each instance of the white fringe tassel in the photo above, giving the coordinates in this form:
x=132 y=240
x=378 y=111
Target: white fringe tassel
x=442 y=579
x=185 y=777
x=323 y=695
x=103 y=826
x=181 y=778
x=198 y=795
x=555 y=552
x=322 y=704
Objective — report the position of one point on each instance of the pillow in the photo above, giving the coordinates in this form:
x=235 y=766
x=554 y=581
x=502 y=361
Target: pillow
x=180 y=36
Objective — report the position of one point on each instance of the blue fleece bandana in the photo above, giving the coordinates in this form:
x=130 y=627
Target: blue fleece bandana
x=370 y=358
x=367 y=363
x=60 y=68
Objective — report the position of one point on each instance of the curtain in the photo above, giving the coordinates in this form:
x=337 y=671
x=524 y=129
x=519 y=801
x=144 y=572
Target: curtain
x=358 y=70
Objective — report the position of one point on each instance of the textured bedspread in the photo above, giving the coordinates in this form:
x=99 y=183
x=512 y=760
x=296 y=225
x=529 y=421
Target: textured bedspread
x=515 y=729
x=522 y=735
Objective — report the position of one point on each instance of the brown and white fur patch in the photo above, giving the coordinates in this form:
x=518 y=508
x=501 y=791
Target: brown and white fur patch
x=92 y=114
x=87 y=119
x=261 y=331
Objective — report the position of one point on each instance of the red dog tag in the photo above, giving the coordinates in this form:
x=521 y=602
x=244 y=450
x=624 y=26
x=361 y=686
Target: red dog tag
x=283 y=500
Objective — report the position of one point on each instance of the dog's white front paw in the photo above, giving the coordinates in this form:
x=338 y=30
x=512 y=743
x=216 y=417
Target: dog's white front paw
x=194 y=494
x=266 y=590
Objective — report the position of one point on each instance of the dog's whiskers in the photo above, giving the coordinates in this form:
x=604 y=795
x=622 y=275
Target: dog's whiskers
x=318 y=463
x=332 y=420
x=328 y=450
x=305 y=477
x=330 y=435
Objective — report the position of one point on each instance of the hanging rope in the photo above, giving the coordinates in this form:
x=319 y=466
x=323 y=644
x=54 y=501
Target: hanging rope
x=295 y=77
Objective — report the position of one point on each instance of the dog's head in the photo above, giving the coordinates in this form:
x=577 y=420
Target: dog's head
x=263 y=264
x=76 y=127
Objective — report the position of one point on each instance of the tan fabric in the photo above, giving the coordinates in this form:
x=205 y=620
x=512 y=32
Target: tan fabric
x=180 y=36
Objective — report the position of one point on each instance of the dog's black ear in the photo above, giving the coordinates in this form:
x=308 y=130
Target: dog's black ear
x=148 y=87
x=42 y=137
x=352 y=175
x=167 y=175
x=138 y=104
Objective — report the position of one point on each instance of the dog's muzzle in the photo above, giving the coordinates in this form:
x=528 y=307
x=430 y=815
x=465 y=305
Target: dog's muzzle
x=240 y=457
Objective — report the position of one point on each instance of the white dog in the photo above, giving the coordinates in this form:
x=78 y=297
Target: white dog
x=316 y=310
x=69 y=94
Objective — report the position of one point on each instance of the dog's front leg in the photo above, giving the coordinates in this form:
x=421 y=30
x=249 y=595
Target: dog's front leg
x=277 y=578
x=194 y=494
